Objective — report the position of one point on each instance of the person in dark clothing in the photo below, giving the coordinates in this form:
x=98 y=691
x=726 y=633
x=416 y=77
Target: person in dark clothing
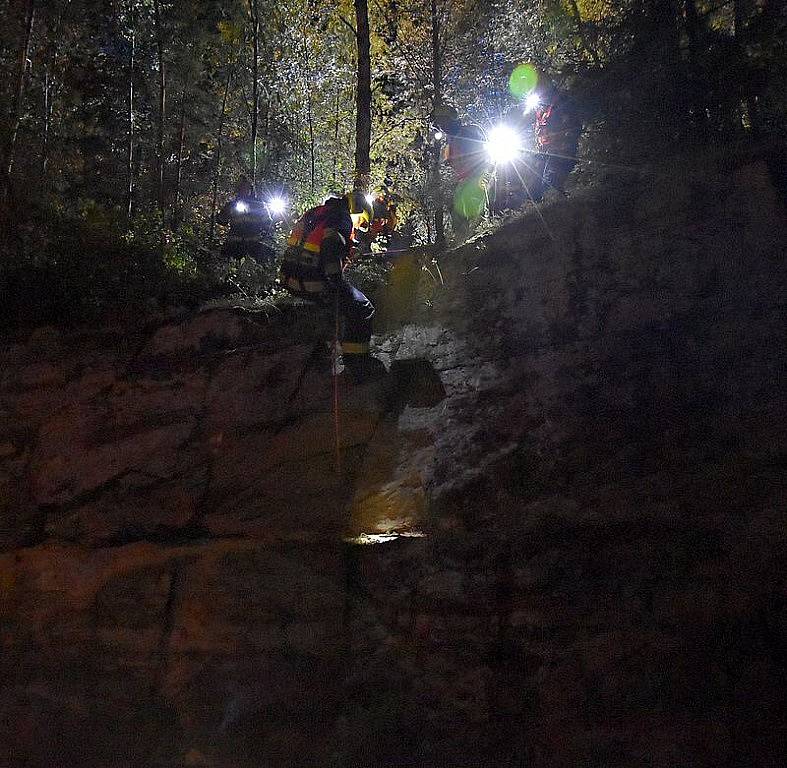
x=557 y=130
x=318 y=249
x=251 y=226
x=463 y=151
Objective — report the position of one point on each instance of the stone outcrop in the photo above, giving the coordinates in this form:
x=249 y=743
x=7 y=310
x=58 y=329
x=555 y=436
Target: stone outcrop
x=553 y=535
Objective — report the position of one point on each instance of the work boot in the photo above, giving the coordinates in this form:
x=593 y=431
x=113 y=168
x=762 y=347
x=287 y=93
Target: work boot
x=363 y=368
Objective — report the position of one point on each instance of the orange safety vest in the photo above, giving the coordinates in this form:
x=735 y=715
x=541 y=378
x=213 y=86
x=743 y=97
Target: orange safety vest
x=309 y=232
x=302 y=265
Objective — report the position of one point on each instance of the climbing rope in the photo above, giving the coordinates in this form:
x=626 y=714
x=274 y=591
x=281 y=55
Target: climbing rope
x=336 y=420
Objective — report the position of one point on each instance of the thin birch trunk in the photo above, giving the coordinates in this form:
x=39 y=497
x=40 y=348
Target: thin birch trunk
x=162 y=104
x=219 y=144
x=255 y=19
x=49 y=94
x=336 y=137
x=363 y=101
x=16 y=113
x=437 y=85
x=309 y=118
x=130 y=153
x=181 y=149
x=45 y=129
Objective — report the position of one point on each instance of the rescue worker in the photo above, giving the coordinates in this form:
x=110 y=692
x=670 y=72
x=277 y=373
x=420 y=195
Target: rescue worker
x=464 y=146
x=385 y=216
x=463 y=152
x=557 y=129
x=251 y=226
x=318 y=250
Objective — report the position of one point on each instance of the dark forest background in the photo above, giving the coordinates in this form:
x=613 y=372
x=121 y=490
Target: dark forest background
x=128 y=122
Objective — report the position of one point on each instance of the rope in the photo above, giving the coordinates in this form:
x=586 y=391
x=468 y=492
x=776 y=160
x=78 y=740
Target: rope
x=336 y=422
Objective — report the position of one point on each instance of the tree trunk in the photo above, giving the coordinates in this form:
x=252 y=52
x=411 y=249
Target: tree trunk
x=581 y=32
x=162 y=103
x=255 y=98
x=217 y=170
x=47 y=113
x=181 y=149
x=130 y=154
x=336 y=136
x=437 y=86
x=743 y=12
x=16 y=113
x=49 y=94
x=309 y=118
x=363 y=99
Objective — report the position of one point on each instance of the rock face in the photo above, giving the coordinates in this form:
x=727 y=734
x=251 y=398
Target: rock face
x=554 y=535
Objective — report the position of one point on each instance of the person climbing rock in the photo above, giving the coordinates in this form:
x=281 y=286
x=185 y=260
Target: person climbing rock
x=318 y=250
x=557 y=129
x=250 y=226
x=463 y=152
x=464 y=147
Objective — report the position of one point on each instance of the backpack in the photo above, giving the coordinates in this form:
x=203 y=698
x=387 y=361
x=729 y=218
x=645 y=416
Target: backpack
x=303 y=267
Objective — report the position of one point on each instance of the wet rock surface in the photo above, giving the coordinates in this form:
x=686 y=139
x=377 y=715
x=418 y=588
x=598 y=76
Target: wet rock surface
x=554 y=535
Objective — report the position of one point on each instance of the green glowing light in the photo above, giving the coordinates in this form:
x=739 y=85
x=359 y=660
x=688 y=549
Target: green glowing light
x=523 y=80
x=470 y=199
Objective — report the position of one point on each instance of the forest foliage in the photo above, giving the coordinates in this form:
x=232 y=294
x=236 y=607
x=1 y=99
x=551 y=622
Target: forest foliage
x=128 y=122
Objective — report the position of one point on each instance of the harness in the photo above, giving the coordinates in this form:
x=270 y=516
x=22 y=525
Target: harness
x=303 y=267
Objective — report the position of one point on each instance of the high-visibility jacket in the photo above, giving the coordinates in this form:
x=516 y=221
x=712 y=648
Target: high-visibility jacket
x=555 y=127
x=385 y=218
x=317 y=248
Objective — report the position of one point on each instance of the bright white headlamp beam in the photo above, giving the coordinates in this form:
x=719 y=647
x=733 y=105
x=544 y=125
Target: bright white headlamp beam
x=504 y=145
x=277 y=205
x=532 y=101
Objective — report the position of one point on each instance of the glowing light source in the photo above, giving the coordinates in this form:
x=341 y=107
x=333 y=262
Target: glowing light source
x=532 y=101
x=439 y=136
x=277 y=205
x=504 y=145
x=523 y=80
x=370 y=199
x=241 y=207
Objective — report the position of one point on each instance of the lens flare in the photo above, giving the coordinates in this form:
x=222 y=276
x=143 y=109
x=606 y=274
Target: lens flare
x=523 y=80
x=532 y=101
x=277 y=206
x=241 y=207
x=504 y=145
x=470 y=199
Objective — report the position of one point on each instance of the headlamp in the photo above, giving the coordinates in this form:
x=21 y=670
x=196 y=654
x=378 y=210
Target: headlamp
x=241 y=207
x=532 y=101
x=277 y=205
x=504 y=145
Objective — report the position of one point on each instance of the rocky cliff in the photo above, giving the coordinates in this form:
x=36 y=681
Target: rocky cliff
x=553 y=535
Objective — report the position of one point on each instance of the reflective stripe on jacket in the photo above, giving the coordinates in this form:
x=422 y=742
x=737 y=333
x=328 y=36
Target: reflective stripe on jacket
x=317 y=248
